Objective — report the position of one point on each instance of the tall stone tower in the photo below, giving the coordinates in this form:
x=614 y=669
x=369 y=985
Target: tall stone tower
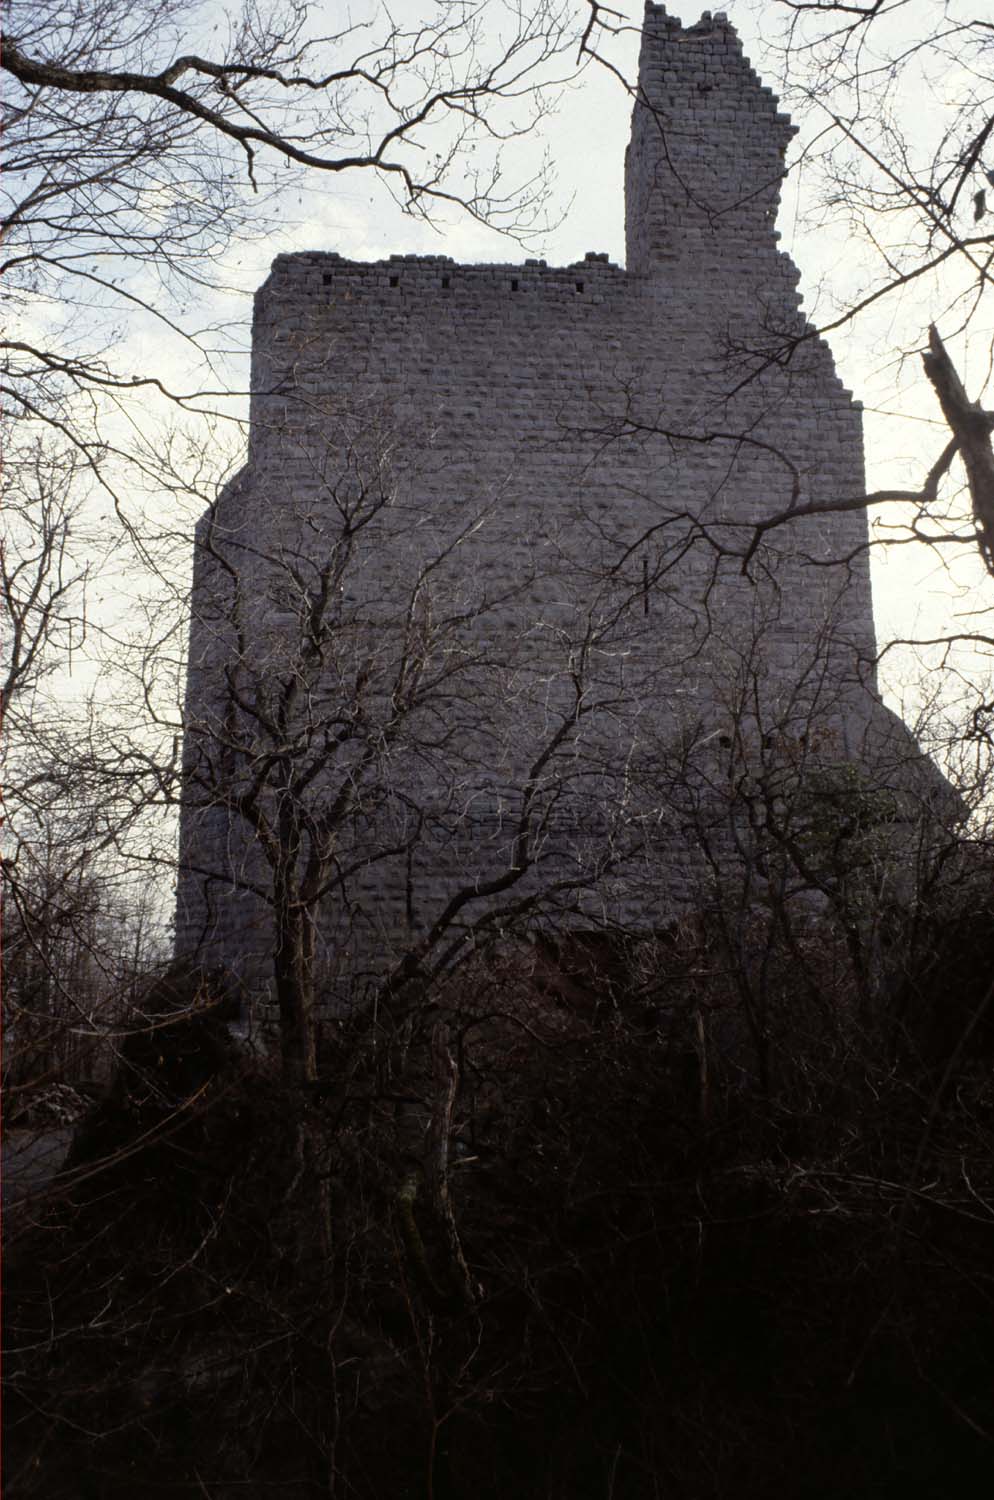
x=486 y=576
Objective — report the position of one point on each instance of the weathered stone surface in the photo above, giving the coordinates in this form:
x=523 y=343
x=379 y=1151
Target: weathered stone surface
x=568 y=459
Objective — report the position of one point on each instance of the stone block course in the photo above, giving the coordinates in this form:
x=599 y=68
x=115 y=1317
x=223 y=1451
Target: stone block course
x=592 y=435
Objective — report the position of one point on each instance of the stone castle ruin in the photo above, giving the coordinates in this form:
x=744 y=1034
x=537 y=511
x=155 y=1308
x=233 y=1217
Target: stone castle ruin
x=486 y=612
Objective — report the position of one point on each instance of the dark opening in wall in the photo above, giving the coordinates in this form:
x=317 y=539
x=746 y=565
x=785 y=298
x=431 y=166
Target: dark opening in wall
x=514 y=286
x=579 y=286
x=445 y=283
x=326 y=278
x=394 y=280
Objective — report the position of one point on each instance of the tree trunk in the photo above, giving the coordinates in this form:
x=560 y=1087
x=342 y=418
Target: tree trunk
x=971 y=426
x=293 y=961
x=294 y=969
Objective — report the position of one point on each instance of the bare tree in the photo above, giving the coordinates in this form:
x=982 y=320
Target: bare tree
x=134 y=160
x=907 y=194
x=142 y=143
x=351 y=730
x=911 y=188
x=556 y=1127
x=817 y=844
x=78 y=927
x=384 y=775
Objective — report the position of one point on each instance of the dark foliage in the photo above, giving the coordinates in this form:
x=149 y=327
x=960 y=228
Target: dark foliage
x=671 y=1293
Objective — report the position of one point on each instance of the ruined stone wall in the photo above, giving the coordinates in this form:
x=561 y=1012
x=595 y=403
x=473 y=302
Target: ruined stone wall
x=561 y=465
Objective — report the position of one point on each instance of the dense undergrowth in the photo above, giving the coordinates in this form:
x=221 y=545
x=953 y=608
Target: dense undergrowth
x=576 y=1250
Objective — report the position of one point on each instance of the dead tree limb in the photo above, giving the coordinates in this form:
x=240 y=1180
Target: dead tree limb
x=446 y=1078
x=971 y=427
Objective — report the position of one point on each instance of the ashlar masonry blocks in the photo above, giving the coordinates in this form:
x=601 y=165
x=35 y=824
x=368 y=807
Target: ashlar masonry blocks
x=483 y=567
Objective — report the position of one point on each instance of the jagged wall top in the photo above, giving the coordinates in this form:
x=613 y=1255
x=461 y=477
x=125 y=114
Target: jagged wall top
x=706 y=158
x=702 y=184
